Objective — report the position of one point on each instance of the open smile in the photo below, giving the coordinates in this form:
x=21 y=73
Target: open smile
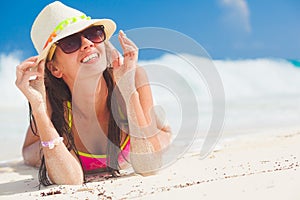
x=90 y=57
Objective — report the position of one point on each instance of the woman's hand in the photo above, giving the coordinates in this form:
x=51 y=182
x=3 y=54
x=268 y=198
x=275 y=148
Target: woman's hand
x=31 y=82
x=124 y=71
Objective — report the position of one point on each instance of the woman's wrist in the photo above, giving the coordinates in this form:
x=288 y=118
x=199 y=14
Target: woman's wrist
x=39 y=108
x=52 y=143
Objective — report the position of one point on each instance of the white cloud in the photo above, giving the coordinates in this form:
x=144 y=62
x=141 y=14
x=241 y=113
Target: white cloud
x=237 y=12
x=11 y=96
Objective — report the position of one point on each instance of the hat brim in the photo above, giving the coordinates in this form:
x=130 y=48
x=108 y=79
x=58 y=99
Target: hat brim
x=109 y=29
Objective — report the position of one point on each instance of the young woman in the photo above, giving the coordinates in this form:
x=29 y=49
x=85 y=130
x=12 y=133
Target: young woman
x=91 y=108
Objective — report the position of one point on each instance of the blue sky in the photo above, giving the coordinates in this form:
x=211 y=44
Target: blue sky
x=227 y=29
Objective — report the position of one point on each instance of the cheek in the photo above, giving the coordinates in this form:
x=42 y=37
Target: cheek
x=67 y=63
x=101 y=48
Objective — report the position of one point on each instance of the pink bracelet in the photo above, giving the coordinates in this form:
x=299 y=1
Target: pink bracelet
x=52 y=143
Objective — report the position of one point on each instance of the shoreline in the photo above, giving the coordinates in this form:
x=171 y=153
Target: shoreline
x=225 y=137
x=264 y=166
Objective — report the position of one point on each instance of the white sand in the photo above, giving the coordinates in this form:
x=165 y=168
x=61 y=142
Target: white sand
x=256 y=167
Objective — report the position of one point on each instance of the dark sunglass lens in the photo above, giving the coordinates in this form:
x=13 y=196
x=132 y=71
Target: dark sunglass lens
x=95 y=34
x=70 y=44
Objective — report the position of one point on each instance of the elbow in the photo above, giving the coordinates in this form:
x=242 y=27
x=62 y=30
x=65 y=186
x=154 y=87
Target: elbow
x=146 y=163
x=144 y=159
x=146 y=155
x=75 y=180
x=68 y=174
x=69 y=178
x=78 y=181
x=30 y=158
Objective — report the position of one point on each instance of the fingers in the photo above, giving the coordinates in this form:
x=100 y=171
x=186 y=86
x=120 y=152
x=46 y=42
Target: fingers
x=126 y=40
x=129 y=48
x=121 y=39
x=24 y=80
x=24 y=67
x=40 y=70
x=30 y=76
x=24 y=72
x=41 y=67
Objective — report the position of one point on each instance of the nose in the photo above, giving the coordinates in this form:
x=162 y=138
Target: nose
x=85 y=43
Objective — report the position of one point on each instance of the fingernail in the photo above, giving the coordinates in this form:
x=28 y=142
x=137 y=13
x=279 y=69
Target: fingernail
x=122 y=32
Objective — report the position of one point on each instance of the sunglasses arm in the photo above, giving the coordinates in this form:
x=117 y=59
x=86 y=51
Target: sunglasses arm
x=51 y=52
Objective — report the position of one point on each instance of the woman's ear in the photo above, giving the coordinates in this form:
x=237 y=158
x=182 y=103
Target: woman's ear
x=55 y=71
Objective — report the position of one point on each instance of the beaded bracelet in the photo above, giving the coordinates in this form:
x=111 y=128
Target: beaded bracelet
x=52 y=143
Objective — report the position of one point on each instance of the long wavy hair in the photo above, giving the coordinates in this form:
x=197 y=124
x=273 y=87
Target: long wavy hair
x=58 y=94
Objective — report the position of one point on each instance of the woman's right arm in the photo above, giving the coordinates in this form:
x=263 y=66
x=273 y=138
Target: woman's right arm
x=62 y=166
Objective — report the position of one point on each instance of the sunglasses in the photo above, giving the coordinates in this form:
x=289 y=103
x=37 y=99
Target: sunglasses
x=72 y=43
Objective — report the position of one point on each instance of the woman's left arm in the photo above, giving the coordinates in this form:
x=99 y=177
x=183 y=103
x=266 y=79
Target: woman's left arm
x=149 y=132
x=150 y=135
x=151 y=125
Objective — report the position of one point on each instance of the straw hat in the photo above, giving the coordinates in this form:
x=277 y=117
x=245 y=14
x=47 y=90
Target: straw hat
x=57 y=21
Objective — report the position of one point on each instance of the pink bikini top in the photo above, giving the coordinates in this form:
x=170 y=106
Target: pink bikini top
x=91 y=161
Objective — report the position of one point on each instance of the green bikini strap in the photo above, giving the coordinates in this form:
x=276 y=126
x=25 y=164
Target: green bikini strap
x=69 y=115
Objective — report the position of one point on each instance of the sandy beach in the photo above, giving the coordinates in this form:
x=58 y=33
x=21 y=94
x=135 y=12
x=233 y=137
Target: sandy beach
x=263 y=166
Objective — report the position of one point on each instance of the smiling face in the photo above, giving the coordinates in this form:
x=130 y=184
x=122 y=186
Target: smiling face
x=89 y=56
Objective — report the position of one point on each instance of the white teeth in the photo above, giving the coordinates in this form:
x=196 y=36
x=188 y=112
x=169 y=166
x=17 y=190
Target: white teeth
x=90 y=57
